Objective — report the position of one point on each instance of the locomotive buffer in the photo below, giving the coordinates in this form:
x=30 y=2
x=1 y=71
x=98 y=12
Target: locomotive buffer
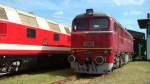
x=145 y=24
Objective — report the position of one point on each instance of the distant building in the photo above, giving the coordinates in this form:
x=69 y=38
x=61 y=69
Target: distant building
x=139 y=44
x=145 y=24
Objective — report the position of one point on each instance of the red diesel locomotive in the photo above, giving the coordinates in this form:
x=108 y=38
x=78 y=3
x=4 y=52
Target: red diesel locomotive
x=99 y=43
x=28 y=41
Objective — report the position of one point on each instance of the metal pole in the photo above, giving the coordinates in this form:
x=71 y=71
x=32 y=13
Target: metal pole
x=148 y=32
x=148 y=43
x=139 y=45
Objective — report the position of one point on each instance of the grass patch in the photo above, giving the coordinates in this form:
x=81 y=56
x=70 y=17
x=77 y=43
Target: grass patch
x=137 y=72
x=37 y=78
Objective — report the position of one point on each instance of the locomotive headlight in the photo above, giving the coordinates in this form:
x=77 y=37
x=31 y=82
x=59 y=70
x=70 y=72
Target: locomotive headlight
x=99 y=60
x=89 y=11
x=71 y=58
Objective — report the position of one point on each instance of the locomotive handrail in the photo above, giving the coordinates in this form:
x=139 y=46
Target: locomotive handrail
x=79 y=32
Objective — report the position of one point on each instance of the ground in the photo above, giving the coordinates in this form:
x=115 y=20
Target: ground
x=137 y=72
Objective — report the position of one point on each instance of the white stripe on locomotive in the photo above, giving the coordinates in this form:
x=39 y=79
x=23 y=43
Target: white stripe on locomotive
x=31 y=47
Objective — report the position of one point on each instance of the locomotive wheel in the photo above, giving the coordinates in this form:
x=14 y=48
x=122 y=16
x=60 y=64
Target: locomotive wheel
x=6 y=67
x=120 y=62
x=10 y=67
x=116 y=63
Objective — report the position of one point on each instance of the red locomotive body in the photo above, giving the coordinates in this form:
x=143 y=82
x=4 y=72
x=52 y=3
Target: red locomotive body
x=28 y=41
x=17 y=38
x=99 y=43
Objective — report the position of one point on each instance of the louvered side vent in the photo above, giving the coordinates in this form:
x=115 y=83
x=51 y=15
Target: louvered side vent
x=28 y=20
x=67 y=30
x=54 y=27
x=3 y=14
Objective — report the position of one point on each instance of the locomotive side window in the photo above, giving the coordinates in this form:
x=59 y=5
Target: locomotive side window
x=56 y=37
x=67 y=30
x=99 y=23
x=31 y=33
x=3 y=14
x=28 y=20
x=54 y=26
x=81 y=24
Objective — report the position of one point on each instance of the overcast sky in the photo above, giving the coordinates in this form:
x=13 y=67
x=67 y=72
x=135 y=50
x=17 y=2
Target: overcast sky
x=125 y=11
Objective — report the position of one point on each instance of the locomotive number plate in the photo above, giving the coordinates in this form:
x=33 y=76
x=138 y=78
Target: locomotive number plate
x=88 y=44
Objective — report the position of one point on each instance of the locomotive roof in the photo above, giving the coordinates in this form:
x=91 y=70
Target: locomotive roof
x=94 y=14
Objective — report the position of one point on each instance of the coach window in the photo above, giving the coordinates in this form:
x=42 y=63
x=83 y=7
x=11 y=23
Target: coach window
x=31 y=33
x=56 y=37
x=3 y=14
x=99 y=23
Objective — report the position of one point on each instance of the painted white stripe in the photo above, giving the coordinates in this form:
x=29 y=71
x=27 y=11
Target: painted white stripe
x=30 y=47
x=92 y=32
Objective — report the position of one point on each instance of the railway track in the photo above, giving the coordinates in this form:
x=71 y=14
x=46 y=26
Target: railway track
x=78 y=77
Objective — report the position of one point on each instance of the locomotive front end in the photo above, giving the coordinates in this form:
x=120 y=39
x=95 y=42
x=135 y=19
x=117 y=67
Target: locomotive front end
x=91 y=43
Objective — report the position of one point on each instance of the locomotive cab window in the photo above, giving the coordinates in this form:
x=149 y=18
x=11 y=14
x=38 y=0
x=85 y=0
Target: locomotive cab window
x=56 y=37
x=81 y=24
x=31 y=33
x=99 y=23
